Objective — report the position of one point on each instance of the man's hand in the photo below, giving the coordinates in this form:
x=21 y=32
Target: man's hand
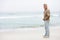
x=43 y=19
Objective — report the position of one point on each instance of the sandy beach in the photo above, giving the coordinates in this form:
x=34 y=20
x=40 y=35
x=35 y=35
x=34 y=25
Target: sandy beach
x=29 y=34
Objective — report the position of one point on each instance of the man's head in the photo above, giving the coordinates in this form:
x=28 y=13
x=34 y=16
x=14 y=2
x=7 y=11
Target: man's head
x=45 y=6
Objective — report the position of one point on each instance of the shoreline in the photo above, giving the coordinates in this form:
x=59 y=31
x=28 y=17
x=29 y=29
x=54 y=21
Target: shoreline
x=27 y=28
x=29 y=34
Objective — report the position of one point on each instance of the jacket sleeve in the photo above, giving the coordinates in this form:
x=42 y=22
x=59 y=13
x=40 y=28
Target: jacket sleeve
x=47 y=15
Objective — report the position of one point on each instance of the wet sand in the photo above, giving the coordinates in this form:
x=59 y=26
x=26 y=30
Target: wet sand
x=29 y=34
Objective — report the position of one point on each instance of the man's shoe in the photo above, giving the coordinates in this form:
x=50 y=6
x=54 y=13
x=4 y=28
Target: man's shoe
x=46 y=36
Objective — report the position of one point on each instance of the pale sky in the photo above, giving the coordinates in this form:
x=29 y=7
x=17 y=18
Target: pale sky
x=28 y=5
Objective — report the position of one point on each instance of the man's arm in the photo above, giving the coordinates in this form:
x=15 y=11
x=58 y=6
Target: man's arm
x=48 y=15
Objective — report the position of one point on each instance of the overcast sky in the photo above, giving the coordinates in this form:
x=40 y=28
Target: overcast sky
x=28 y=5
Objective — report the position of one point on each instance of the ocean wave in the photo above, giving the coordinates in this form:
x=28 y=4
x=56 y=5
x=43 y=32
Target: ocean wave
x=4 y=17
x=26 y=16
x=55 y=15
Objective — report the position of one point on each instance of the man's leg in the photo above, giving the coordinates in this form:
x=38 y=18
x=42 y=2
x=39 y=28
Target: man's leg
x=47 y=28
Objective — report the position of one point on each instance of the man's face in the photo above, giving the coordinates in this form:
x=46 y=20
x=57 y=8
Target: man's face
x=45 y=6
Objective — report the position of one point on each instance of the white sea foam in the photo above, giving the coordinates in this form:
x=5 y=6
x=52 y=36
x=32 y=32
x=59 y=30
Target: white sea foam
x=55 y=15
x=5 y=17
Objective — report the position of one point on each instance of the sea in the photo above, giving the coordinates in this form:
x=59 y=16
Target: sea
x=27 y=20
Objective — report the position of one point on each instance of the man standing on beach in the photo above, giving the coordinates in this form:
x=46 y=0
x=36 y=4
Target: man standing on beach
x=46 y=20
